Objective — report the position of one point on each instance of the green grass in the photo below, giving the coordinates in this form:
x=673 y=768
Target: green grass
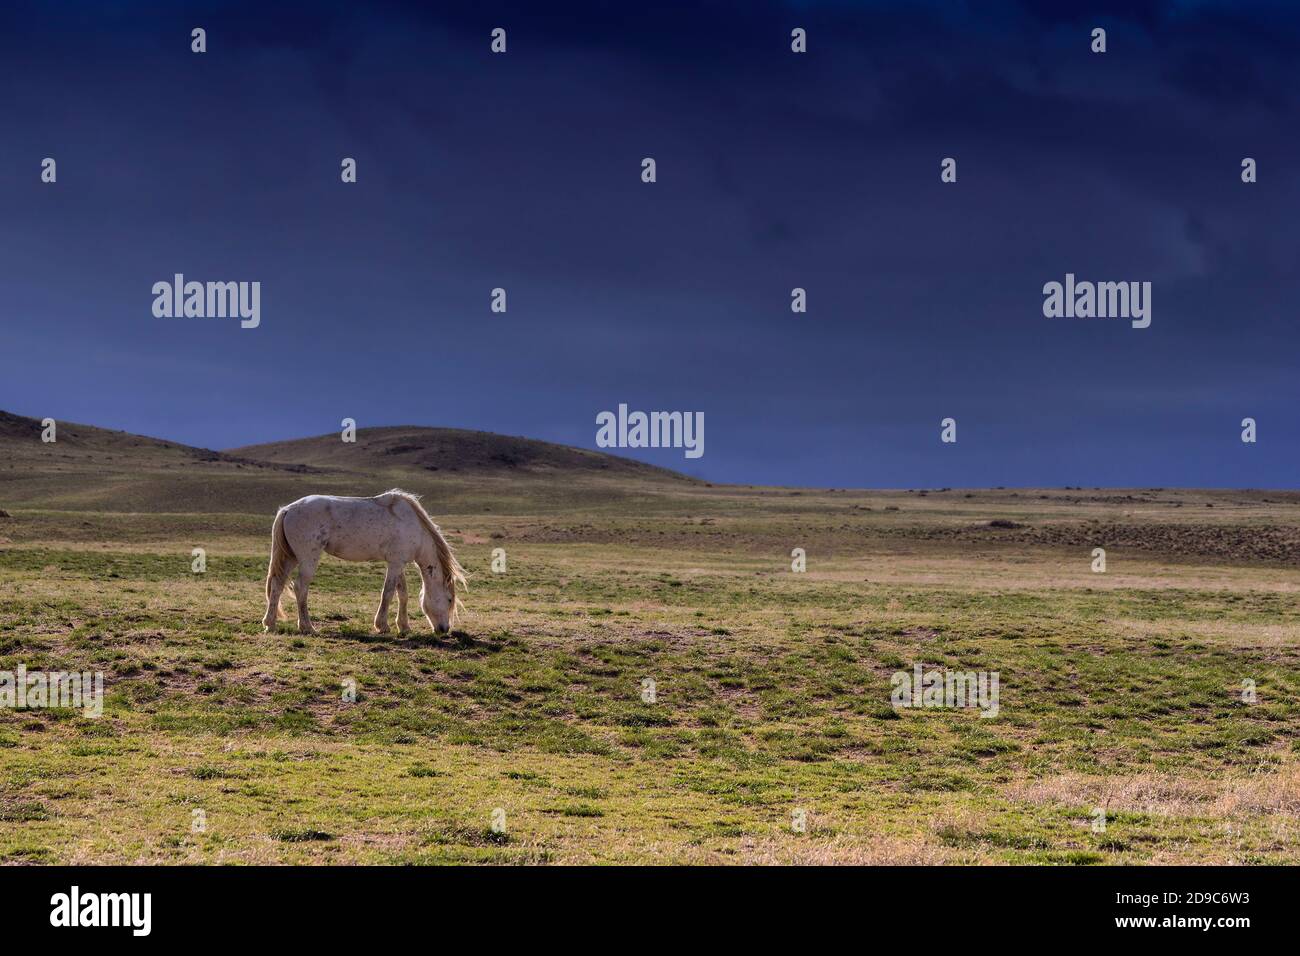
x=772 y=694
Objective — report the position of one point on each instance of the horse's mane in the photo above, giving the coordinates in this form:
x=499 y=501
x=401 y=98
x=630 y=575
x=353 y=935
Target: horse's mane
x=452 y=573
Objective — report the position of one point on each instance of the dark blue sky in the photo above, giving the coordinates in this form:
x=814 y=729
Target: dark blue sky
x=775 y=170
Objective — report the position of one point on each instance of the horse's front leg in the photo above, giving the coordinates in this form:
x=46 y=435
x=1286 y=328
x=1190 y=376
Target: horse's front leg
x=390 y=585
x=403 y=625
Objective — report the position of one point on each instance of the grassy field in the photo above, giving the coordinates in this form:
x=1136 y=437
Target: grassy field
x=1119 y=690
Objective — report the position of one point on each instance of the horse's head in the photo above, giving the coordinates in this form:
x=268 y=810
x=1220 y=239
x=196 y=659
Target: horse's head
x=440 y=572
x=437 y=599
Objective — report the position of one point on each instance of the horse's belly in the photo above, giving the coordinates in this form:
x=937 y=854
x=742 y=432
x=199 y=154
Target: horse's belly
x=359 y=551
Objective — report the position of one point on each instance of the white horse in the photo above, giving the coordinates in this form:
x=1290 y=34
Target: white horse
x=392 y=527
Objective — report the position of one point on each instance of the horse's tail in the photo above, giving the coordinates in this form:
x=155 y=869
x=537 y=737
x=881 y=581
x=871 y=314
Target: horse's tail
x=281 y=555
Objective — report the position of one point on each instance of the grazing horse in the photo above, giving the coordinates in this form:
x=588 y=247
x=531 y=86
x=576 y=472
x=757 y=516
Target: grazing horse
x=392 y=527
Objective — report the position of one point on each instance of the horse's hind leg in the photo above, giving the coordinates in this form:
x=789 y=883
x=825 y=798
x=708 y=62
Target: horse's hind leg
x=306 y=571
x=390 y=585
x=403 y=625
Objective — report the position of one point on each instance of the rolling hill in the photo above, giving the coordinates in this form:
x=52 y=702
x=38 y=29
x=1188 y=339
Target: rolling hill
x=461 y=472
x=98 y=469
x=453 y=450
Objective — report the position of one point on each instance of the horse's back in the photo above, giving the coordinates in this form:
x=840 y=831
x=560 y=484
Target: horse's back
x=338 y=505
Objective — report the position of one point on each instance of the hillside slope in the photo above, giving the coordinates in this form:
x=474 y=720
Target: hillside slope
x=98 y=469
x=452 y=450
